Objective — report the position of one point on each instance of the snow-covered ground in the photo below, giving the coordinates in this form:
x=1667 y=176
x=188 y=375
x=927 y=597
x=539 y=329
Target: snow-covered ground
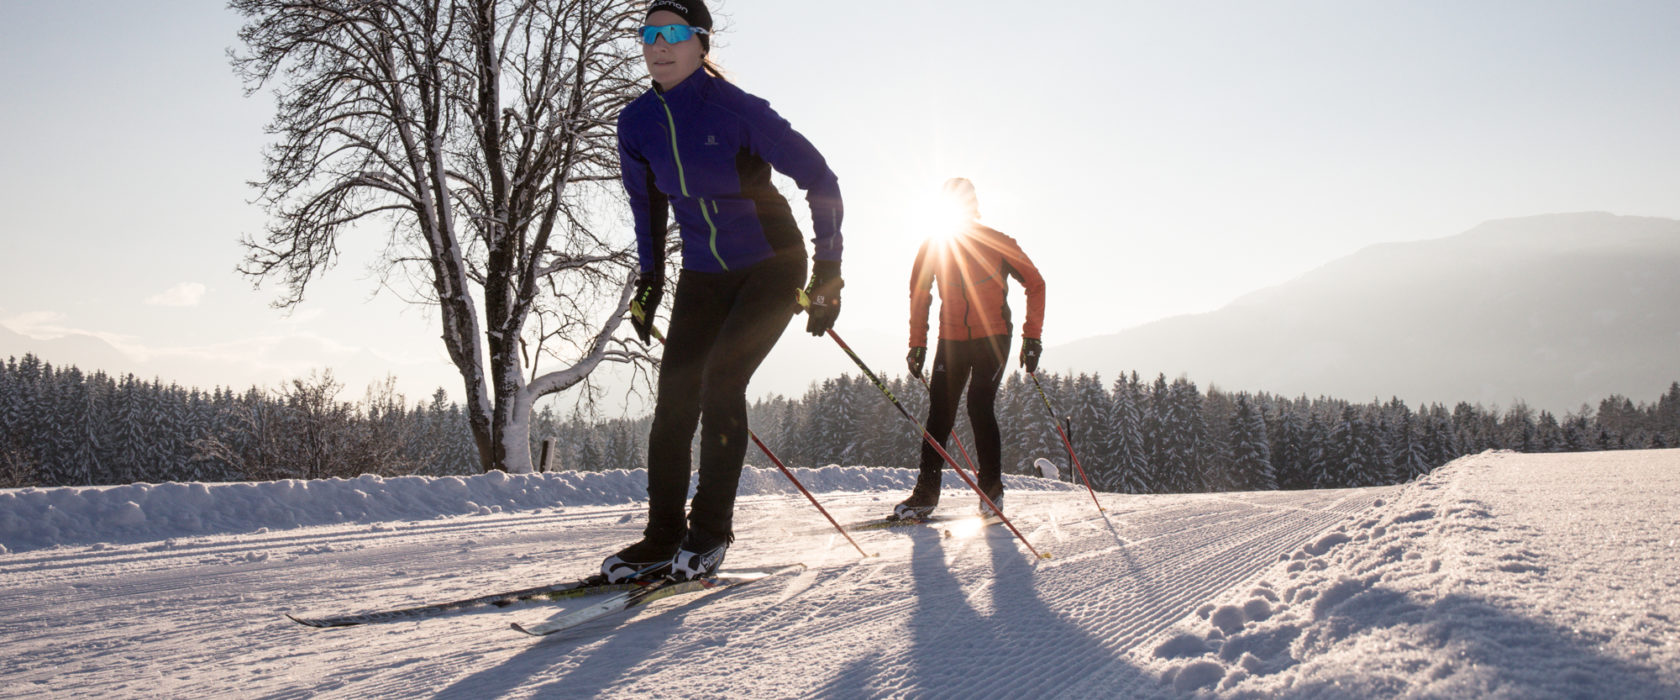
x=1500 y=575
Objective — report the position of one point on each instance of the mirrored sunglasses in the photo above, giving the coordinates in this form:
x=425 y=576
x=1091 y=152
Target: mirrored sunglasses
x=673 y=33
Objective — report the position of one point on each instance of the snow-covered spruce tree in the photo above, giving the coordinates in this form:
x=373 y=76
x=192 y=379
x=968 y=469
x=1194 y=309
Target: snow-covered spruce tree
x=621 y=451
x=1291 y=456
x=847 y=404
x=73 y=434
x=881 y=429
x=590 y=456
x=1213 y=456
x=1042 y=440
x=1380 y=442
x=1188 y=402
x=1440 y=445
x=1125 y=448
x=17 y=466
x=1516 y=429
x=1336 y=450
x=1156 y=435
x=1618 y=416
x=1250 y=451
x=482 y=133
x=53 y=416
x=1175 y=411
x=1610 y=440
x=1410 y=457
x=825 y=436
x=1467 y=429
x=791 y=447
x=1360 y=447
x=1548 y=435
x=1666 y=416
x=1092 y=430
x=877 y=443
x=1578 y=434
x=907 y=440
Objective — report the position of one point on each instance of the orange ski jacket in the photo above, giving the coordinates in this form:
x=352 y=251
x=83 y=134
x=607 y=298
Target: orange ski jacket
x=972 y=269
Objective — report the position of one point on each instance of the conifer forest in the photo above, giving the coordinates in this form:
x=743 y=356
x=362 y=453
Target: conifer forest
x=60 y=426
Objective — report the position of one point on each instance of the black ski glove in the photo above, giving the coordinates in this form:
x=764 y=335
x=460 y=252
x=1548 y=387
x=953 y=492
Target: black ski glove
x=1031 y=350
x=915 y=359
x=645 y=305
x=824 y=292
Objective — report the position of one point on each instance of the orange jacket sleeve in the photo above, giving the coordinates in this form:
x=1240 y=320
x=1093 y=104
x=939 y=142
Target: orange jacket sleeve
x=1018 y=265
x=921 y=297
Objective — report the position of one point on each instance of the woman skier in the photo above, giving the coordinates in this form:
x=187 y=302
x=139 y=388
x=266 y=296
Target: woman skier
x=704 y=148
x=972 y=265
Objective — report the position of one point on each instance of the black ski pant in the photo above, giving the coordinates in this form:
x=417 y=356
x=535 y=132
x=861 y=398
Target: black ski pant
x=979 y=364
x=722 y=327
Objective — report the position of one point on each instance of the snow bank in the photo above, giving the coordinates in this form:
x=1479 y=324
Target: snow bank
x=1440 y=593
x=38 y=518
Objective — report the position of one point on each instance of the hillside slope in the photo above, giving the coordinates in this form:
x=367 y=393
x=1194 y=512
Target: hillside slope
x=1556 y=310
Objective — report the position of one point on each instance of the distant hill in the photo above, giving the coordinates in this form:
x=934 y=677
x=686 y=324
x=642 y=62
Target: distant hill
x=85 y=352
x=1557 y=310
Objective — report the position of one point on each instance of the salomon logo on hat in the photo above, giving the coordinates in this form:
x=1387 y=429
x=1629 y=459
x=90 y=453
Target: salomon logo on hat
x=693 y=11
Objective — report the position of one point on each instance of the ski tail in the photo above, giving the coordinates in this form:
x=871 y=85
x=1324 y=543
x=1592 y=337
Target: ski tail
x=592 y=585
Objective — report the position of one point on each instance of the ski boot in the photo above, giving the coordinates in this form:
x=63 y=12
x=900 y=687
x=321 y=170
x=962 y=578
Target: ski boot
x=919 y=506
x=647 y=560
x=699 y=556
x=994 y=492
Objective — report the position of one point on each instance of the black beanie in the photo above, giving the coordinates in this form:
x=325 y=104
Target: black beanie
x=693 y=12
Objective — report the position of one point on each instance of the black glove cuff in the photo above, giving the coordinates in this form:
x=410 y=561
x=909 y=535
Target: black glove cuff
x=824 y=271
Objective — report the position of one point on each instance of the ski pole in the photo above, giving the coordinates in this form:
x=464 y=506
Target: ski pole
x=1065 y=441
x=805 y=302
x=661 y=336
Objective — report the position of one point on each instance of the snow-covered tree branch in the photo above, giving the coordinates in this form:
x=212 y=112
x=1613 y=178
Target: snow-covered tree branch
x=483 y=131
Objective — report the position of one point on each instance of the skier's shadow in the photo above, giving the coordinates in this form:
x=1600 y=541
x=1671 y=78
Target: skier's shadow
x=597 y=671
x=967 y=642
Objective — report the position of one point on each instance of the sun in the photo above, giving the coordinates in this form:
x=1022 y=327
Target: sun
x=938 y=217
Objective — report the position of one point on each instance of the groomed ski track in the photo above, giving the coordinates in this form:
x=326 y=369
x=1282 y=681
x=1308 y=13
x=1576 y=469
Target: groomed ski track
x=944 y=610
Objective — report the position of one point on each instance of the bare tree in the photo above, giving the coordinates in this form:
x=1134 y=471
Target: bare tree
x=482 y=133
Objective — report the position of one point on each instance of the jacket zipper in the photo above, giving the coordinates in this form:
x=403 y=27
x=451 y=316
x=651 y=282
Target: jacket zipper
x=682 y=181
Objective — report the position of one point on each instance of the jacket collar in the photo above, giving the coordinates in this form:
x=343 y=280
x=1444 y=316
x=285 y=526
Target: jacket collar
x=695 y=85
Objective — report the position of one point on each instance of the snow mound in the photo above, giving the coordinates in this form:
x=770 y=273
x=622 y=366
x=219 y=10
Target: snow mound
x=39 y=518
x=1414 y=597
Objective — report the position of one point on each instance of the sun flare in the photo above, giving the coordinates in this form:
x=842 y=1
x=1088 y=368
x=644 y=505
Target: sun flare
x=939 y=218
x=966 y=528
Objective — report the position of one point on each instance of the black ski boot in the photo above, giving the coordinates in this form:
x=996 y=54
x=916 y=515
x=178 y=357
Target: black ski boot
x=647 y=560
x=918 y=506
x=700 y=555
x=994 y=492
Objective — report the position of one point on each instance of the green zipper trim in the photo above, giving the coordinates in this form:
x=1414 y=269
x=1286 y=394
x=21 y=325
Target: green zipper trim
x=713 y=226
x=682 y=180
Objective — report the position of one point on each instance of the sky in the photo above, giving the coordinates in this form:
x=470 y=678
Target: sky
x=1154 y=159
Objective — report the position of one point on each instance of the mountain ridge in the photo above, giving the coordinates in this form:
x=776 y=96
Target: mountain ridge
x=1555 y=310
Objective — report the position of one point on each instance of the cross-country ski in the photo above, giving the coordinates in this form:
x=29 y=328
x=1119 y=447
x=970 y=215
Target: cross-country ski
x=643 y=594
x=591 y=586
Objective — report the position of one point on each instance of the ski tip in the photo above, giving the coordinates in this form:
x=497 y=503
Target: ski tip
x=305 y=621
x=521 y=628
